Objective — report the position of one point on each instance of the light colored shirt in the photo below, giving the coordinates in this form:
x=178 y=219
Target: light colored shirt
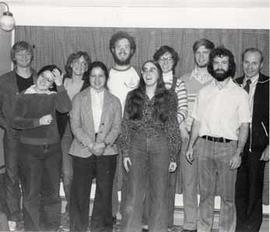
x=221 y=111
x=97 y=106
x=194 y=81
x=252 y=87
x=120 y=82
x=181 y=92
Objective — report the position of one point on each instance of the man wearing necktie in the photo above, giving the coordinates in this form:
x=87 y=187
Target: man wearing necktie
x=249 y=184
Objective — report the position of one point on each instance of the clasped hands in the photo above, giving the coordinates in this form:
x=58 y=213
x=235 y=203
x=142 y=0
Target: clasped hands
x=97 y=148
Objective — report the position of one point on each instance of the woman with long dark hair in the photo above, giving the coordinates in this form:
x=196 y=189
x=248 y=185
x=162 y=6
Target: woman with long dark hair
x=149 y=142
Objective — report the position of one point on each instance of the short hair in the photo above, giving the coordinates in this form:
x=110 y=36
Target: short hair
x=162 y=50
x=99 y=64
x=21 y=46
x=71 y=58
x=50 y=68
x=221 y=52
x=203 y=42
x=122 y=35
x=252 y=50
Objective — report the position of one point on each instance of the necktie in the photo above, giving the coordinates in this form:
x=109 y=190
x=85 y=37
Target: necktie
x=247 y=86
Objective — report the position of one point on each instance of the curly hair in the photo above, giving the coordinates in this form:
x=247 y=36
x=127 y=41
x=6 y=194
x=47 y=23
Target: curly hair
x=122 y=35
x=50 y=68
x=221 y=52
x=136 y=98
x=75 y=56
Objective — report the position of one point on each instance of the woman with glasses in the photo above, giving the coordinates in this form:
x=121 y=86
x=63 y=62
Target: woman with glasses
x=40 y=149
x=148 y=141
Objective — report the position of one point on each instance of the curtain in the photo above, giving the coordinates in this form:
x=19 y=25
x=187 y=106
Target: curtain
x=54 y=44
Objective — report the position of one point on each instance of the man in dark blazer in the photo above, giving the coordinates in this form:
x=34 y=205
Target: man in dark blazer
x=11 y=84
x=249 y=184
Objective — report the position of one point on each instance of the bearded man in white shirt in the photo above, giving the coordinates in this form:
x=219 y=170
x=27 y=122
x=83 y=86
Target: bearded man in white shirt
x=219 y=130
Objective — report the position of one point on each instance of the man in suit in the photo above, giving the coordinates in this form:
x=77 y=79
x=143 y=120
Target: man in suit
x=249 y=184
x=11 y=84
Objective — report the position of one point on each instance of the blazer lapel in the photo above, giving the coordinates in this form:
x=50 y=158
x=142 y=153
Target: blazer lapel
x=106 y=102
x=88 y=110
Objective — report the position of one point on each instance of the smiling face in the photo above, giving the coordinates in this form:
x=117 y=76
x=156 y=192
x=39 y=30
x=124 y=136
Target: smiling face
x=122 y=51
x=166 y=62
x=150 y=74
x=201 y=56
x=252 y=64
x=45 y=80
x=79 y=66
x=23 y=58
x=97 y=79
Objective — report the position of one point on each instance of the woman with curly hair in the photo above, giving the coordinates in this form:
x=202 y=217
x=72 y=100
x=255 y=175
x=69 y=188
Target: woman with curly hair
x=149 y=142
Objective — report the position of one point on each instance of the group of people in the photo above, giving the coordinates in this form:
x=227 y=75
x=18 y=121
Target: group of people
x=136 y=131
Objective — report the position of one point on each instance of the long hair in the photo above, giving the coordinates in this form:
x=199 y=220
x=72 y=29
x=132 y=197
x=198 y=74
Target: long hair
x=136 y=98
x=75 y=56
x=220 y=52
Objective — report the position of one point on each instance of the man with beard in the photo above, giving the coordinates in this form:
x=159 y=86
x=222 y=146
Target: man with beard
x=194 y=81
x=219 y=129
x=249 y=184
x=122 y=79
x=11 y=84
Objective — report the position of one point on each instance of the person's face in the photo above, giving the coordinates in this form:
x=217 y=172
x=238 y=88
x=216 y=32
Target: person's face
x=166 y=62
x=23 y=58
x=201 y=56
x=45 y=80
x=79 y=66
x=97 y=79
x=252 y=64
x=150 y=74
x=220 y=67
x=122 y=52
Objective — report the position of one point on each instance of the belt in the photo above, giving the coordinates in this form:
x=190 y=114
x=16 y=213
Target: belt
x=216 y=139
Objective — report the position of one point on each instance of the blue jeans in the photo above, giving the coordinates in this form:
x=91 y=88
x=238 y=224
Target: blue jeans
x=150 y=162
x=213 y=163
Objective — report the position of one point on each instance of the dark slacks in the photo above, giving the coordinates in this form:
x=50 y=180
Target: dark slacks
x=12 y=180
x=150 y=162
x=3 y=208
x=41 y=167
x=248 y=196
x=84 y=171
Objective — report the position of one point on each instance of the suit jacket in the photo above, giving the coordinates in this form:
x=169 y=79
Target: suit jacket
x=258 y=138
x=82 y=124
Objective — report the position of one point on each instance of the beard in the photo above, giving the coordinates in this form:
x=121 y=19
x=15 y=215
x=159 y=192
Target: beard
x=220 y=74
x=121 y=62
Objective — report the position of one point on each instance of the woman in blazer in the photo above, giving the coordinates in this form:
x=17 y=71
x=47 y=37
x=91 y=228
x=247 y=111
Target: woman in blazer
x=95 y=123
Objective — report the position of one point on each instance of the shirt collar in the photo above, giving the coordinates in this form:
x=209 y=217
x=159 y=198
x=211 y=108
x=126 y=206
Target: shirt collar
x=200 y=75
x=254 y=79
x=94 y=92
x=229 y=84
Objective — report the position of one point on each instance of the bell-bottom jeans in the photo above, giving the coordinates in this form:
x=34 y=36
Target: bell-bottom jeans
x=150 y=162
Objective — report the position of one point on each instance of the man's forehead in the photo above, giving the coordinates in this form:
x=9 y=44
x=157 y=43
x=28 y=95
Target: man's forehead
x=122 y=41
x=221 y=57
x=252 y=54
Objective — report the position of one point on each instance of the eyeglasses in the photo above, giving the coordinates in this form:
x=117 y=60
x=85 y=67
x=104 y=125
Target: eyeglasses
x=164 y=59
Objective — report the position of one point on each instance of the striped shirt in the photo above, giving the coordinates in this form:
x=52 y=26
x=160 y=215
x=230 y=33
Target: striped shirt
x=181 y=92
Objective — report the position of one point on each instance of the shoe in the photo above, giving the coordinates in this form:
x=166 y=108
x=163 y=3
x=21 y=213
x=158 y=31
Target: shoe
x=145 y=228
x=12 y=225
x=114 y=219
x=189 y=230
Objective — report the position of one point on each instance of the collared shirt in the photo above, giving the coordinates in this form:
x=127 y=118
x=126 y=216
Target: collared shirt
x=221 y=111
x=252 y=87
x=97 y=106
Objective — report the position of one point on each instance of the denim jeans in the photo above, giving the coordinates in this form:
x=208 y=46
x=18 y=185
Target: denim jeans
x=12 y=175
x=41 y=166
x=213 y=162
x=85 y=170
x=150 y=162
